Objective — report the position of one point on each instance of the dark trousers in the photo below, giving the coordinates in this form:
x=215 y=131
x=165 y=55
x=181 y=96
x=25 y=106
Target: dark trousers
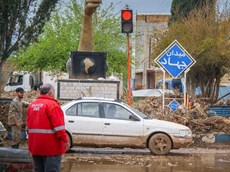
x=47 y=163
x=16 y=136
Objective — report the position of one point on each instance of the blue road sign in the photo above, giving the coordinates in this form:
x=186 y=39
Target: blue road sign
x=173 y=105
x=175 y=59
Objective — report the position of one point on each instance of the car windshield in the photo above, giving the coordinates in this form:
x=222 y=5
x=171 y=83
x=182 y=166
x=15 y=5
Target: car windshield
x=138 y=112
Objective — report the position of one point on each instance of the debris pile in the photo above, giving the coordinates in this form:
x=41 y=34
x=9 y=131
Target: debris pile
x=211 y=125
x=28 y=96
x=4 y=109
x=196 y=117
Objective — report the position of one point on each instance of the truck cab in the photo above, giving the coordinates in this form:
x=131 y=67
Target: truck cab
x=20 y=79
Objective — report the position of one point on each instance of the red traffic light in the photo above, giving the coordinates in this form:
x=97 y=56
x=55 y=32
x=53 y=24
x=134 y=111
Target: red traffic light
x=126 y=14
x=127 y=21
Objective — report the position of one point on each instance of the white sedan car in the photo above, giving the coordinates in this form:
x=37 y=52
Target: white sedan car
x=100 y=122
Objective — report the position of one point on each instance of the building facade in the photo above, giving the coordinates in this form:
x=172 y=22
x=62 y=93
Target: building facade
x=145 y=73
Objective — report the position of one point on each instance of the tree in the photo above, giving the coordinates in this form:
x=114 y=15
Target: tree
x=181 y=8
x=21 y=22
x=62 y=34
x=206 y=38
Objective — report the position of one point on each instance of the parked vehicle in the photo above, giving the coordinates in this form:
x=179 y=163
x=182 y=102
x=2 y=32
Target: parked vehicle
x=27 y=80
x=31 y=80
x=103 y=122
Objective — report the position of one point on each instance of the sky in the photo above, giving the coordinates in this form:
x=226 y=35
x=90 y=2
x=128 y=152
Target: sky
x=141 y=6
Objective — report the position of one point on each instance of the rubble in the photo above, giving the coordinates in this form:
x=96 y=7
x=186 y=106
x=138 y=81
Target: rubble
x=196 y=117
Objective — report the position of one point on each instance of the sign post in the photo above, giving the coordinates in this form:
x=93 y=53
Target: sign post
x=175 y=60
x=185 y=88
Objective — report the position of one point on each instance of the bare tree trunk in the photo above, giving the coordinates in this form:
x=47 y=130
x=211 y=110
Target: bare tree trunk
x=1 y=77
x=192 y=89
x=206 y=89
x=217 y=91
x=212 y=88
x=202 y=89
x=212 y=92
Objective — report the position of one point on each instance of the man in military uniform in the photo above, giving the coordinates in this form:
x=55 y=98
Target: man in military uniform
x=15 y=117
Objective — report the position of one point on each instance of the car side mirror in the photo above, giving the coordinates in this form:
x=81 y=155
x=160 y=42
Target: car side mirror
x=134 y=118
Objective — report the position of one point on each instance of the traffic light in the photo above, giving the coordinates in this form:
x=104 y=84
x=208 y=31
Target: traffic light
x=126 y=21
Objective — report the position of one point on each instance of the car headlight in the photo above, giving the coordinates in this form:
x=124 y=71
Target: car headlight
x=185 y=133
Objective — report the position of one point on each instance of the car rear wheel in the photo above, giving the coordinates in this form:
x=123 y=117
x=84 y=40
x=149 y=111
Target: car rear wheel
x=160 y=144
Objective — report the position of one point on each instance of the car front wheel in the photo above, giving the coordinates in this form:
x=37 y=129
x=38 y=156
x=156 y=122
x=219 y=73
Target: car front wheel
x=160 y=144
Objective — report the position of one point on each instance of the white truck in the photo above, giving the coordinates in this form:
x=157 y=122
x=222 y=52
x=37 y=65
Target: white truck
x=65 y=88
x=31 y=81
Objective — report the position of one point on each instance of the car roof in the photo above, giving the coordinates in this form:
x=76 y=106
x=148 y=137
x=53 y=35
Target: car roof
x=93 y=99
x=98 y=98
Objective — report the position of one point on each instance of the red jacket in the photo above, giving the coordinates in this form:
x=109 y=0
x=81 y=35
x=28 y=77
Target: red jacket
x=46 y=128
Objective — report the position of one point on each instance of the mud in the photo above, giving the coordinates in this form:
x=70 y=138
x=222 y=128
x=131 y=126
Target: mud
x=189 y=160
x=180 y=160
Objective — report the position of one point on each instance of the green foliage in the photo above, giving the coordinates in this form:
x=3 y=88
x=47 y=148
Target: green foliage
x=21 y=22
x=62 y=34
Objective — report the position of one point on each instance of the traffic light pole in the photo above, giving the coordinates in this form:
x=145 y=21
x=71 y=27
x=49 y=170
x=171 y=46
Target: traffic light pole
x=129 y=71
x=127 y=27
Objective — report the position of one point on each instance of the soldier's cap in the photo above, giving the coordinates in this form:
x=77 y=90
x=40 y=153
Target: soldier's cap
x=19 y=89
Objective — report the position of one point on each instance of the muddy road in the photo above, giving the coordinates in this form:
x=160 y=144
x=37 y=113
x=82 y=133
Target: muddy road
x=189 y=160
x=130 y=160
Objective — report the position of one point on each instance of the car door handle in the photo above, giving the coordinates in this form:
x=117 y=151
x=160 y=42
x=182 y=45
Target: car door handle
x=107 y=123
x=71 y=121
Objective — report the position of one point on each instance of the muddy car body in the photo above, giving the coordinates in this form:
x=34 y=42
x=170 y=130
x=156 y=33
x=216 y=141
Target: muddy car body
x=103 y=122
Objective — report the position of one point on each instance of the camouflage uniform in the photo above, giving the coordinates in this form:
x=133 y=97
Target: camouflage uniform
x=16 y=109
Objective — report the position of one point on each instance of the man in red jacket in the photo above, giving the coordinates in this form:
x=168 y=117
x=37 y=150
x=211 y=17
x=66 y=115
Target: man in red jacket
x=47 y=138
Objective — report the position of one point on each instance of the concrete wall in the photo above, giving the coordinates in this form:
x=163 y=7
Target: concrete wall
x=72 y=89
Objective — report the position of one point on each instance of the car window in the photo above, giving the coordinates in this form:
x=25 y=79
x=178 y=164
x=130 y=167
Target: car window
x=72 y=111
x=86 y=109
x=113 y=111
